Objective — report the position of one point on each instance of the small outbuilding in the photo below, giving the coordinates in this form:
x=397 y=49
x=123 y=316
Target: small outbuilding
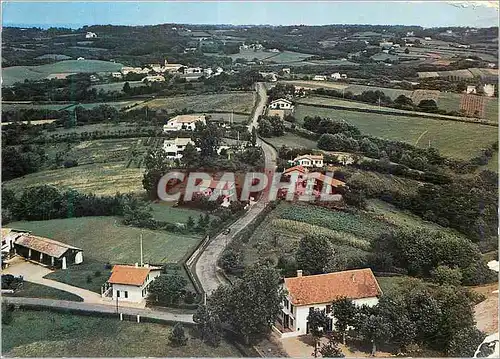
x=47 y=251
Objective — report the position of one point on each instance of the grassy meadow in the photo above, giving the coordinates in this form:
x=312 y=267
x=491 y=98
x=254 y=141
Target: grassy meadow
x=350 y=232
x=105 y=239
x=52 y=334
x=224 y=102
x=15 y=74
x=454 y=139
x=97 y=178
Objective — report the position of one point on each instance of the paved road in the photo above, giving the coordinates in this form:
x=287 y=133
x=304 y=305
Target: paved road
x=101 y=308
x=206 y=267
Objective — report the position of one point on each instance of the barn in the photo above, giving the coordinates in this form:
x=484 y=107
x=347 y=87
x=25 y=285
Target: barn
x=47 y=251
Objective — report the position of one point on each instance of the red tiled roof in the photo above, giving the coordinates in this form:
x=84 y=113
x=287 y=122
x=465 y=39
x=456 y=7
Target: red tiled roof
x=324 y=288
x=328 y=180
x=295 y=168
x=44 y=245
x=131 y=275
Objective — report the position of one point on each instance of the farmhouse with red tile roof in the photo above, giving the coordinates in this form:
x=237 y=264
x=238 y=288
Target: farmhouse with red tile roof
x=318 y=292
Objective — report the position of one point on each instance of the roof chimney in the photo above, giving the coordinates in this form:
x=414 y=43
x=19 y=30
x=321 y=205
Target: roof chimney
x=299 y=272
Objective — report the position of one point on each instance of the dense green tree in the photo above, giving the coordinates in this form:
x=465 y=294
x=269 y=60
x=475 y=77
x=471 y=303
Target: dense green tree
x=374 y=328
x=446 y=275
x=313 y=254
x=465 y=342
x=344 y=311
x=317 y=321
x=167 y=288
x=177 y=337
x=190 y=156
x=208 y=324
x=252 y=304
x=207 y=138
x=331 y=349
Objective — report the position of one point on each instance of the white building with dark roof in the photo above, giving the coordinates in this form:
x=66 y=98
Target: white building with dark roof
x=47 y=251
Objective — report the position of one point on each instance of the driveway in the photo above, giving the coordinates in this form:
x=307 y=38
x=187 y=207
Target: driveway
x=35 y=273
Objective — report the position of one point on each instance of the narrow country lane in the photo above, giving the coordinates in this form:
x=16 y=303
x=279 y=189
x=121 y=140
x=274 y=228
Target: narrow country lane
x=206 y=267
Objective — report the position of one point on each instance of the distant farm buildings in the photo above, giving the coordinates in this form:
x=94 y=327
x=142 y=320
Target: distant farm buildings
x=90 y=35
x=183 y=122
x=175 y=147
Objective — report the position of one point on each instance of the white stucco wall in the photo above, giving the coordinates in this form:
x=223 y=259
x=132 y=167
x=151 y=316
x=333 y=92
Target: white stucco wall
x=300 y=313
x=134 y=293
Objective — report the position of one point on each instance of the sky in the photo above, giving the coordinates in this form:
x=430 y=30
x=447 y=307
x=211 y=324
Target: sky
x=424 y=13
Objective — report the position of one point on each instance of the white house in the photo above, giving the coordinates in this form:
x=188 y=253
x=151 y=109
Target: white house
x=183 y=122
x=80 y=58
x=9 y=237
x=471 y=89
x=171 y=67
x=335 y=76
x=208 y=72
x=309 y=161
x=193 y=70
x=175 y=147
x=90 y=35
x=427 y=38
x=130 y=283
x=281 y=104
x=286 y=70
x=153 y=78
x=489 y=90
x=319 y=78
x=306 y=293
x=117 y=75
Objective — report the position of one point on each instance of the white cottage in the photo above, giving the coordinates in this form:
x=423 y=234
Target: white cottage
x=130 y=283
x=183 y=122
x=318 y=292
x=175 y=147
x=309 y=160
x=281 y=104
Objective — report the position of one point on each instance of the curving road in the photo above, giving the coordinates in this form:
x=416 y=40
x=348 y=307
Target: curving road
x=206 y=267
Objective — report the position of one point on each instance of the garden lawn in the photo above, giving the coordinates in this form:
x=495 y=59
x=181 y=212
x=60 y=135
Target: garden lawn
x=34 y=290
x=224 y=102
x=104 y=239
x=291 y=140
x=165 y=212
x=51 y=334
x=454 y=139
x=97 y=178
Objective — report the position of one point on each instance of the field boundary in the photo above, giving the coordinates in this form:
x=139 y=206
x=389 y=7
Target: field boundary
x=406 y=114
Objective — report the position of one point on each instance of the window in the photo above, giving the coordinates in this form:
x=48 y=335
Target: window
x=118 y=294
x=291 y=322
x=291 y=308
x=126 y=294
x=285 y=303
x=328 y=309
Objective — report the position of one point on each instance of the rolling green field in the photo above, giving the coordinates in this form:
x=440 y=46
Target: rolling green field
x=350 y=233
x=15 y=74
x=34 y=290
x=291 y=140
x=163 y=211
x=448 y=101
x=224 y=102
x=52 y=334
x=104 y=239
x=26 y=105
x=286 y=57
x=454 y=139
x=97 y=178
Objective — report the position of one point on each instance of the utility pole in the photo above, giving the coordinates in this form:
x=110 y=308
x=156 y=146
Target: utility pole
x=142 y=262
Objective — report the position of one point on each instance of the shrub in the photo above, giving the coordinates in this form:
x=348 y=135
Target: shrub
x=89 y=279
x=7 y=313
x=177 y=336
